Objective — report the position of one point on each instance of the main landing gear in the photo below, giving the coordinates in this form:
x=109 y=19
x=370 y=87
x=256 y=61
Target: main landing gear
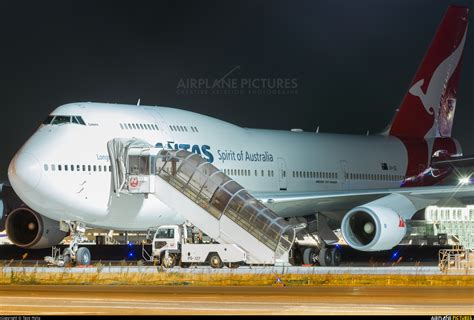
x=73 y=254
x=323 y=257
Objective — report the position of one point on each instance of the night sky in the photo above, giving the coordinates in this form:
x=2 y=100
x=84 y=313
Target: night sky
x=352 y=60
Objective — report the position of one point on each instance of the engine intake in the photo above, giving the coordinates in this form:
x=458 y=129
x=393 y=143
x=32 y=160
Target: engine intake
x=372 y=228
x=28 y=229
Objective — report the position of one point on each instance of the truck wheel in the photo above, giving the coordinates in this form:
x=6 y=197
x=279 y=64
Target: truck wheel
x=83 y=256
x=169 y=262
x=310 y=256
x=185 y=265
x=336 y=256
x=325 y=257
x=233 y=265
x=215 y=261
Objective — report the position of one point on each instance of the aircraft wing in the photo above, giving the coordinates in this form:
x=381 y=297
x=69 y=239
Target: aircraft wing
x=454 y=163
x=339 y=203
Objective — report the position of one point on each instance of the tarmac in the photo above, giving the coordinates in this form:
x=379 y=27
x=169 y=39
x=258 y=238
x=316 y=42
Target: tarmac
x=160 y=300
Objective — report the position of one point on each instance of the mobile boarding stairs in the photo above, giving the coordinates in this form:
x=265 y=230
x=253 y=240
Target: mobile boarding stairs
x=204 y=196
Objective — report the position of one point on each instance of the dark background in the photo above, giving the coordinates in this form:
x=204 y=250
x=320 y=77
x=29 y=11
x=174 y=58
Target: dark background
x=353 y=60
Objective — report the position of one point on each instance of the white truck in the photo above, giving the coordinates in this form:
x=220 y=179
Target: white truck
x=178 y=245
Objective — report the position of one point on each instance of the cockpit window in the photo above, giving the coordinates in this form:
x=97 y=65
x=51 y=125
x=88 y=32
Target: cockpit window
x=79 y=119
x=55 y=120
x=48 y=120
x=61 y=119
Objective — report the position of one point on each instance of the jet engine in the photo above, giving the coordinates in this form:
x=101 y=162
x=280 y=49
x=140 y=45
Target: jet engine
x=3 y=209
x=377 y=225
x=28 y=229
x=2 y=215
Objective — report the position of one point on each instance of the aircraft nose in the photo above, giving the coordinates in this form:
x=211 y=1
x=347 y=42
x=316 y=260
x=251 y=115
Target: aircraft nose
x=24 y=171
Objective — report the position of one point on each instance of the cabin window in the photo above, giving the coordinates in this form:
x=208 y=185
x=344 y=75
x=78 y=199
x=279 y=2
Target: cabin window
x=46 y=167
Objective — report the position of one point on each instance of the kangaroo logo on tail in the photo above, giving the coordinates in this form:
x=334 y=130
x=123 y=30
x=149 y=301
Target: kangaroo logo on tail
x=438 y=99
x=427 y=110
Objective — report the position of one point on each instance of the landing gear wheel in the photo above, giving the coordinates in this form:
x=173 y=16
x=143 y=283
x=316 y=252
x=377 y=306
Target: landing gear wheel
x=215 y=261
x=168 y=262
x=67 y=256
x=310 y=256
x=83 y=256
x=233 y=265
x=325 y=257
x=336 y=256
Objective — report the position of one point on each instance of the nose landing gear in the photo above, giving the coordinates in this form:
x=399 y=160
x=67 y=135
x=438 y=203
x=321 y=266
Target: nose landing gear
x=73 y=254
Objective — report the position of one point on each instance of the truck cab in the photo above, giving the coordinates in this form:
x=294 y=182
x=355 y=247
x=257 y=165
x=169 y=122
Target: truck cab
x=178 y=244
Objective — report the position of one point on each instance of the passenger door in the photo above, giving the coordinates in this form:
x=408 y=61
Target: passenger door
x=165 y=136
x=344 y=182
x=282 y=174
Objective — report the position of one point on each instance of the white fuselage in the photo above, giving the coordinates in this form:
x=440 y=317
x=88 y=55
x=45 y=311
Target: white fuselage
x=261 y=160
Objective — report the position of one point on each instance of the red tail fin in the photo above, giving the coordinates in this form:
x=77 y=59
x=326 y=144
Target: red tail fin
x=427 y=110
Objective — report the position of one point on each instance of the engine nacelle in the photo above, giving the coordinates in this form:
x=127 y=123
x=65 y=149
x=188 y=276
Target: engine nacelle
x=28 y=229
x=3 y=210
x=377 y=225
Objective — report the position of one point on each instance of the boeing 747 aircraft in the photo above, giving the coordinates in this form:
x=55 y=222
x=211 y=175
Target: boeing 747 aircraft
x=368 y=186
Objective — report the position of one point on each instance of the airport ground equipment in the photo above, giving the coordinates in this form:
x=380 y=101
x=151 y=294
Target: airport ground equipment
x=456 y=260
x=211 y=201
x=177 y=245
